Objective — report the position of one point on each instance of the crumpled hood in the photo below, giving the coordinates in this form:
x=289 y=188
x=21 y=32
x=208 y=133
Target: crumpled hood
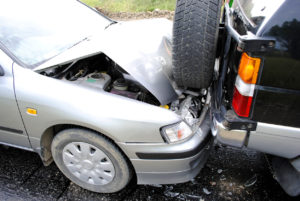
x=142 y=48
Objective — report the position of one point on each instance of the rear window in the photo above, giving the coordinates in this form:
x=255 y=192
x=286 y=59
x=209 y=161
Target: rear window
x=255 y=11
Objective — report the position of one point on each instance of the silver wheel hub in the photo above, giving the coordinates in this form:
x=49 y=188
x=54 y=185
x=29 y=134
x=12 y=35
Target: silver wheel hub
x=88 y=163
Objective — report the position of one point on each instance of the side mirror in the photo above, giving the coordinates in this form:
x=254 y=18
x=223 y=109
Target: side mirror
x=1 y=71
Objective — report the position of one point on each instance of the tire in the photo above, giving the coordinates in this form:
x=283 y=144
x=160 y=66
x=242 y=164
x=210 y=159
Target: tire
x=90 y=160
x=195 y=34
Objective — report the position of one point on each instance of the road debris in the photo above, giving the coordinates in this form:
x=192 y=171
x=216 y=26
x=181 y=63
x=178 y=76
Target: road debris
x=185 y=196
x=251 y=181
x=168 y=192
x=222 y=178
x=213 y=183
x=207 y=192
x=156 y=185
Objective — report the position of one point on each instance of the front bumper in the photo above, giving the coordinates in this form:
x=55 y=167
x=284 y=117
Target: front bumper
x=162 y=163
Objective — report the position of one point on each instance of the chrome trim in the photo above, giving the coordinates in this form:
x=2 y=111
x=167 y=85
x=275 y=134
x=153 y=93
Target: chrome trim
x=225 y=136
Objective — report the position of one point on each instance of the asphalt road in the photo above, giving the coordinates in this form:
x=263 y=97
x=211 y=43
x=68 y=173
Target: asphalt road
x=230 y=174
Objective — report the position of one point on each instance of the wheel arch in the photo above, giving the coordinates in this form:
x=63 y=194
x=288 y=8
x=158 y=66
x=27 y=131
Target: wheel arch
x=49 y=134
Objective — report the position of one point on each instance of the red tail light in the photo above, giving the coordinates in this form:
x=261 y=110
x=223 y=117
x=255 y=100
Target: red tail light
x=245 y=84
x=241 y=104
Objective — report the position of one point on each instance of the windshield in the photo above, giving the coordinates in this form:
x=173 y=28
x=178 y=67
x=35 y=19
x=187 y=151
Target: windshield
x=34 y=31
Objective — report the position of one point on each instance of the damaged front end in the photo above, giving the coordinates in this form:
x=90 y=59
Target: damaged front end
x=115 y=82
x=165 y=131
x=141 y=50
x=133 y=60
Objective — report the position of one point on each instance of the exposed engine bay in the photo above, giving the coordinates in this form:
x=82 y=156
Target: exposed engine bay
x=99 y=72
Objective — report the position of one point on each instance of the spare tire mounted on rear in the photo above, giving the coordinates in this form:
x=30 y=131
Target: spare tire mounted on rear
x=195 y=35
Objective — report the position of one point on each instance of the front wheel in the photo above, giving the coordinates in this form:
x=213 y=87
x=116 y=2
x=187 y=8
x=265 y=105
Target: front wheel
x=90 y=160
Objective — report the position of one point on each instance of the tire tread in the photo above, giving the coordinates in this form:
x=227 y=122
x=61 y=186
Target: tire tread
x=195 y=32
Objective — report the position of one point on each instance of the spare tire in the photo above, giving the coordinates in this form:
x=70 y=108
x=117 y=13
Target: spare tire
x=195 y=34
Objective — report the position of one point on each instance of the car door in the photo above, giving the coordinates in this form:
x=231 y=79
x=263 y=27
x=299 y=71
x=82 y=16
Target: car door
x=12 y=130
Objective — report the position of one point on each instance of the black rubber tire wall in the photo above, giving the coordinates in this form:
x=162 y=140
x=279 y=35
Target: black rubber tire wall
x=195 y=35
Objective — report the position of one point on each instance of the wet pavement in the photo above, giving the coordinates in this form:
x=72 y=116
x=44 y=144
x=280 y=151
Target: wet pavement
x=230 y=174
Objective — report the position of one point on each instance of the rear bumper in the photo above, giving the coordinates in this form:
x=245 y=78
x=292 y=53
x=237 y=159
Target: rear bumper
x=162 y=163
x=225 y=135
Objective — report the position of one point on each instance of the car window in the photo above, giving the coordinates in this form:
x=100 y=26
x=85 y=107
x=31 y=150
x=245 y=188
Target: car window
x=34 y=31
x=257 y=10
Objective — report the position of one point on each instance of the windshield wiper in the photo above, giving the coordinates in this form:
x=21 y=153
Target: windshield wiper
x=113 y=22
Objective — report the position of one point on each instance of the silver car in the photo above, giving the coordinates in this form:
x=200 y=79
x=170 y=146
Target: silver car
x=98 y=97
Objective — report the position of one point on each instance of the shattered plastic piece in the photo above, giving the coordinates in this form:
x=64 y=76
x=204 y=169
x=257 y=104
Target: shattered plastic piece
x=251 y=181
x=168 y=192
x=222 y=178
x=185 y=197
x=155 y=185
x=169 y=188
x=220 y=171
x=171 y=194
x=213 y=183
x=194 y=196
x=207 y=192
x=181 y=197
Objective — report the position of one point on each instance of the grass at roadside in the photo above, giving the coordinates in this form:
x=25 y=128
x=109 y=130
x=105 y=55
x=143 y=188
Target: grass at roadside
x=131 y=5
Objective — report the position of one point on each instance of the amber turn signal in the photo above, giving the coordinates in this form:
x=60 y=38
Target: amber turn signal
x=31 y=111
x=248 y=69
